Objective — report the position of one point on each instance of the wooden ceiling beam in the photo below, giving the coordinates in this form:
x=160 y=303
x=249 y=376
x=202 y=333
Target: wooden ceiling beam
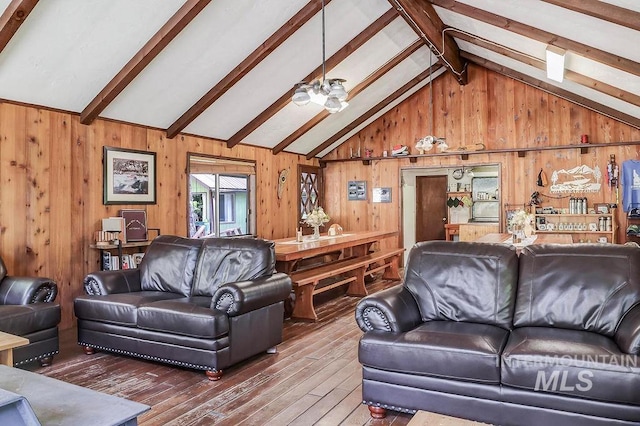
x=374 y=110
x=316 y=74
x=581 y=79
x=423 y=19
x=12 y=18
x=142 y=58
x=540 y=35
x=352 y=93
x=601 y=10
x=556 y=91
x=244 y=67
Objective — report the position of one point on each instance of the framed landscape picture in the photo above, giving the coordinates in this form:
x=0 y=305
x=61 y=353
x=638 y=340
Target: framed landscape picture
x=129 y=176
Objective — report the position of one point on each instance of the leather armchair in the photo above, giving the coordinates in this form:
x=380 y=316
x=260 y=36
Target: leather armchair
x=27 y=309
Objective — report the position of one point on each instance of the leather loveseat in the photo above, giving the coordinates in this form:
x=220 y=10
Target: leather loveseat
x=203 y=304
x=547 y=338
x=27 y=309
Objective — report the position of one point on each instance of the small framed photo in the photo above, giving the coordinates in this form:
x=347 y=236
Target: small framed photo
x=601 y=208
x=129 y=176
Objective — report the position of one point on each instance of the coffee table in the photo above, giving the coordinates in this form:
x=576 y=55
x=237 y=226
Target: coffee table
x=57 y=403
x=7 y=343
x=424 y=418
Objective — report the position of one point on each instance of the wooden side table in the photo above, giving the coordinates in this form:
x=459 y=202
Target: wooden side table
x=7 y=343
x=451 y=229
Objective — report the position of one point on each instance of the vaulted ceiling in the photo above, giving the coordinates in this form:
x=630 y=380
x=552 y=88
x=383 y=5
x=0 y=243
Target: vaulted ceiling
x=226 y=69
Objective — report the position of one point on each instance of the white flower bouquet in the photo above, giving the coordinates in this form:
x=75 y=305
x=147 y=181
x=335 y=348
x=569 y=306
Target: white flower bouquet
x=520 y=219
x=317 y=217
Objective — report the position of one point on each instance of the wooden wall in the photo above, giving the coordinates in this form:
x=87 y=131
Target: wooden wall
x=51 y=168
x=494 y=110
x=51 y=191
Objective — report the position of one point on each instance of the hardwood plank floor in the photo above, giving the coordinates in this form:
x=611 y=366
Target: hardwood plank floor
x=314 y=379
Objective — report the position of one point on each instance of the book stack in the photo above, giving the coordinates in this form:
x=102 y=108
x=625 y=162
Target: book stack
x=112 y=262
x=105 y=238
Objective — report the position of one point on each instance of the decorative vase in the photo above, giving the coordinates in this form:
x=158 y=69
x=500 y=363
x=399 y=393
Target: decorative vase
x=528 y=230
x=517 y=233
x=316 y=233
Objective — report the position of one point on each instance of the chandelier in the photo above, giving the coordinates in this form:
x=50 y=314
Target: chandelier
x=329 y=93
x=426 y=143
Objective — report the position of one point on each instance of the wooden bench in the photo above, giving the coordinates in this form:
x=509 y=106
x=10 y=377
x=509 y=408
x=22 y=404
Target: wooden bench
x=307 y=283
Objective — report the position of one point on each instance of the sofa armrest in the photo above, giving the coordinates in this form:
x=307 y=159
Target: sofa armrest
x=244 y=296
x=109 y=282
x=627 y=336
x=393 y=310
x=27 y=290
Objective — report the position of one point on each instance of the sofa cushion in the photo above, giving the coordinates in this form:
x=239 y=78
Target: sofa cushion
x=26 y=319
x=186 y=316
x=169 y=264
x=570 y=362
x=446 y=349
x=582 y=286
x=227 y=260
x=119 y=308
x=463 y=281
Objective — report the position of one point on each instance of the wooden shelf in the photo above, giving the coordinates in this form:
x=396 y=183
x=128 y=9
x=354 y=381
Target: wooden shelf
x=115 y=246
x=585 y=219
x=464 y=155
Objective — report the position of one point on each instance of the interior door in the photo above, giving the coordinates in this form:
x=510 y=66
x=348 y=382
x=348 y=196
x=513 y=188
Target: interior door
x=431 y=207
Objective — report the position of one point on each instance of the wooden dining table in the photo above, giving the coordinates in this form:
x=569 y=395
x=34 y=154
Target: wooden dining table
x=289 y=252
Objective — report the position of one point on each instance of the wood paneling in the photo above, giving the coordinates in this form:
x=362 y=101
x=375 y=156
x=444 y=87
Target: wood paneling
x=51 y=191
x=51 y=168
x=492 y=109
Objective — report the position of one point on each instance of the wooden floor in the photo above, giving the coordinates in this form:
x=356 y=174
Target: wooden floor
x=314 y=379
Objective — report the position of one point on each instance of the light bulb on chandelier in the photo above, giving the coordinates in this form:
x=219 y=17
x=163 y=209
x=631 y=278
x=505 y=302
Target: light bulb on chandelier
x=329 y=93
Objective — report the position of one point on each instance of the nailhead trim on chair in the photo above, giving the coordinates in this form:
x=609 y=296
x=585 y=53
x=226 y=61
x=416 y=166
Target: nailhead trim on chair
x=373 y=310
x=225 y=299
x=37 y=358
x=92 y=288
x=151 y=358
x=390 y=407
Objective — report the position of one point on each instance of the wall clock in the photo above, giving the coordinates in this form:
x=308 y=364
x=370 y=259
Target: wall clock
x=457 y=174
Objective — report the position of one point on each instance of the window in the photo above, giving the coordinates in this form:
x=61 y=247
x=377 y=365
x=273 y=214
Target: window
x=221 y=196
x=311 y=195
x=227 y=206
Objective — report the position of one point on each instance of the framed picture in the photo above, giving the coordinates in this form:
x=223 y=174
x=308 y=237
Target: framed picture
x=381 y=195
x=129 y=176
x=601 y=208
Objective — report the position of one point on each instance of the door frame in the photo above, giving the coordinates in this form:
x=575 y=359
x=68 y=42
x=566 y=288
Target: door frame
x=408 y=199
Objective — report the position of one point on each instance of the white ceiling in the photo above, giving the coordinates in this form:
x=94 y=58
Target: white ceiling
x=67 y=51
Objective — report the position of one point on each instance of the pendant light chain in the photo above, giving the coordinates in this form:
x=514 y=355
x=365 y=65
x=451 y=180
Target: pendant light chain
x=323 y=46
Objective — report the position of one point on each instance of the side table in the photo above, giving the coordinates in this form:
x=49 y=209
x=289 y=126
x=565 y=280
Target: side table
x=7 y=343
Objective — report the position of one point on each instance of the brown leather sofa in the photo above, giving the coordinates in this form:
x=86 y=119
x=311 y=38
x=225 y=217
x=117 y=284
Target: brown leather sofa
x=27 y=309
x=203 y=304
x=547 y=338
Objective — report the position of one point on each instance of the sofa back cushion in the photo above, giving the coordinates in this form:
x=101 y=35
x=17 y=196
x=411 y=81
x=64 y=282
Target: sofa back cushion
x=226 y=260
x=577 y=286
x=463 y=281
x=169 y=264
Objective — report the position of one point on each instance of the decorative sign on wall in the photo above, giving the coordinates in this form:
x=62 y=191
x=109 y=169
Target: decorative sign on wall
x=381 y=195
x=579 y=179
x=357 y=190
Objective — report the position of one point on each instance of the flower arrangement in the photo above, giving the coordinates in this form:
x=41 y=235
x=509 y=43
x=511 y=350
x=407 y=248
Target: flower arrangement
x=520 y=219
x=317 y=217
